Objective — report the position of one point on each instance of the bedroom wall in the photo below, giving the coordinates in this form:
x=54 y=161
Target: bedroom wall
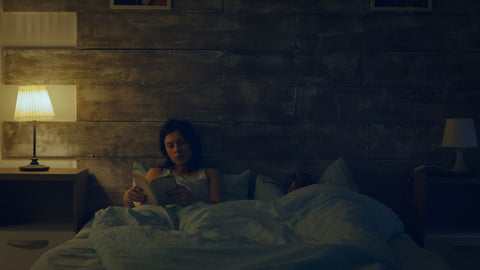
x=271 y=85
x=38 y=29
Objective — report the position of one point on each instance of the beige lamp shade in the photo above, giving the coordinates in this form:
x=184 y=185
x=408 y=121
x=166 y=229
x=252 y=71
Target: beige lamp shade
x=33 y=103
x=459 y=133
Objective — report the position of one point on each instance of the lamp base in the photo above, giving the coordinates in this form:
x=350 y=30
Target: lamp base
x=459 y=165
x=34 y=166
x=459 y=168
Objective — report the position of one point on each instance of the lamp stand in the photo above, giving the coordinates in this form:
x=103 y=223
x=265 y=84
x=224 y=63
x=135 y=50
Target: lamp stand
x=34 y=165
x=459 y=166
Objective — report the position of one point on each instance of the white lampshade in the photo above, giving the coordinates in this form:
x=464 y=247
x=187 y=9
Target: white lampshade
x=33 y=103
x=459 y=133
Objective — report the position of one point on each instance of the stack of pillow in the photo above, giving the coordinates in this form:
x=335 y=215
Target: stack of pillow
x=336 y=174
x=235 y=186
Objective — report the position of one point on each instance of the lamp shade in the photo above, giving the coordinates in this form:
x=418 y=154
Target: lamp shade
x=459 y=133
x=33 y=103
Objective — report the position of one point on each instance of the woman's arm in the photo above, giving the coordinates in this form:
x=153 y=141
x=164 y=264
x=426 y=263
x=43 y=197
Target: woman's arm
x=153 y=173
x=215 y=186
x=135 y=194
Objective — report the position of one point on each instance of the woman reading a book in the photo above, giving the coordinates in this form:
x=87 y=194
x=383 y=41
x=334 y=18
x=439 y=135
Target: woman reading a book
x=182 y=149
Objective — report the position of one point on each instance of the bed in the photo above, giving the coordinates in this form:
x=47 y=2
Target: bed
x=327 y=225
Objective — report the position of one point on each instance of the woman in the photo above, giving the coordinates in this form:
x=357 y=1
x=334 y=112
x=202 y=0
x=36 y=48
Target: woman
x=182 y=149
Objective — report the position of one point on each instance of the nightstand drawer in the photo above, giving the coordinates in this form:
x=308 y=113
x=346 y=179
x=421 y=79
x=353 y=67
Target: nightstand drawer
x=460 y=249
x=20 y=249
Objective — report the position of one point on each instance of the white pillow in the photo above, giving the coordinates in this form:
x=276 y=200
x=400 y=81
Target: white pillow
x=267 y=188
x=139 y=168
x=235 y=186
x=338 y=174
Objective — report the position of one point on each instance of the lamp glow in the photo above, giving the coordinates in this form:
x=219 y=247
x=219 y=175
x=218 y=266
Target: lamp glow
x=459 y=134
x=33 y=103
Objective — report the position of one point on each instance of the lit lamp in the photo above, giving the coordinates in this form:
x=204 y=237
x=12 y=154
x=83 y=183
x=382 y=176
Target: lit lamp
x=459 y=134
x=33 y=103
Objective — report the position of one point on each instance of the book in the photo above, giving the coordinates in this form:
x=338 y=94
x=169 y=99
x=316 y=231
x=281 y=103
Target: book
x=155 y=190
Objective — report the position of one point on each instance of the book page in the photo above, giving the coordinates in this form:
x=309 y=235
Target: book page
x=141 y=182
x=160 y=186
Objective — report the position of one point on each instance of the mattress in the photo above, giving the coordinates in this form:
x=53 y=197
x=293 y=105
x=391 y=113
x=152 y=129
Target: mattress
x=317 y=226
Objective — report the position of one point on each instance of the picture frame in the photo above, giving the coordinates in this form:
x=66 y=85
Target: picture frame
x=401 y=5
x=141 y=4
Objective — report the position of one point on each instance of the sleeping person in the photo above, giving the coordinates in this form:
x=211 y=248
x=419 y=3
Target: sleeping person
x=299 y=180
x=182 y=149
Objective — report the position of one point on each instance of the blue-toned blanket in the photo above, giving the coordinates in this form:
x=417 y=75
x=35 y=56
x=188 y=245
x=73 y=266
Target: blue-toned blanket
x=316 y=227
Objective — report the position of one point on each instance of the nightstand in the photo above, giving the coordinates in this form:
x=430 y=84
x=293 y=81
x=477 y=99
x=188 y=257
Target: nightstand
x=448 y=211
x=38 y=210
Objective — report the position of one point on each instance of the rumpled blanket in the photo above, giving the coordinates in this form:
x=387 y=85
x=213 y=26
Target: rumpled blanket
x=320 y=226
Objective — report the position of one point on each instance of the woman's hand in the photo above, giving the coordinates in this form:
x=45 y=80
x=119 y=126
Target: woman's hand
x=134 y=194
x=180 y=195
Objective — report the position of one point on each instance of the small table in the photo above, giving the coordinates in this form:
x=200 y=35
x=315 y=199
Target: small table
x=448 y=210
x=39 y=210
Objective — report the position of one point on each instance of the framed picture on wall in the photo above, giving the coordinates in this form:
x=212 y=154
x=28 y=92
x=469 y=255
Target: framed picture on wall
x=401 y=5
x=141 y=4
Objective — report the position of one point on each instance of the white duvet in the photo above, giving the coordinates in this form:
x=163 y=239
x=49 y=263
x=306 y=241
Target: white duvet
x=316 y=227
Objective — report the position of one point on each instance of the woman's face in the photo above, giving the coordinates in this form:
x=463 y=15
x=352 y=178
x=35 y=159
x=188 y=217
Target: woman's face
x=178 y=148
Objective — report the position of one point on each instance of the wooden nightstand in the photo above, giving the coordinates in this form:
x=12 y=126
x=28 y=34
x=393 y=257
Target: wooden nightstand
x=448 y=210
x=38 y=210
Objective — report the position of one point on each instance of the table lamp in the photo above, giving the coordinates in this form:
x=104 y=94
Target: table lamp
x=33 y=104
x=459 y=134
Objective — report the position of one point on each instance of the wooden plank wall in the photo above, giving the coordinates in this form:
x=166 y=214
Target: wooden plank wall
x=271 y=86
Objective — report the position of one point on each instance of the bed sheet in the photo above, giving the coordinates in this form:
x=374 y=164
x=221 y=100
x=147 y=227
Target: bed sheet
x=317 y=226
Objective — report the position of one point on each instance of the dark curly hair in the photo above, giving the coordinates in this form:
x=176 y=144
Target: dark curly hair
x=188 y=132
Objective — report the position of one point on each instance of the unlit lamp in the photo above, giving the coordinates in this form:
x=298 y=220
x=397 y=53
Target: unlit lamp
x=459 y=134
x=33 y=104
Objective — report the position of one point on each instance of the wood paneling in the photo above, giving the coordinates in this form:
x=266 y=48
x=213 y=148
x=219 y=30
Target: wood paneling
x=329 y=104
x=422 y=32
x=295 y=141
x=384 y=31
x=331 y=32
x=96 y=139
x=197 y=102
x=331 y=68
x=406 y=141
x=258 y=86
x=286 y=6
x=55 y=5
x=186 y=31
x=103 y=5
x=457 y=7
x=112 y=67
x=240 y=6
x=423 y=69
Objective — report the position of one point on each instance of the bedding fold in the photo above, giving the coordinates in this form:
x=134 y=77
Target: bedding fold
x=319 y=226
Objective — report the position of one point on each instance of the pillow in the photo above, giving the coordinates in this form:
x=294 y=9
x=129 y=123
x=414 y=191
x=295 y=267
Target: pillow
x=139 y=168
x=338 y=174
x=235 y=186
x=267 y=188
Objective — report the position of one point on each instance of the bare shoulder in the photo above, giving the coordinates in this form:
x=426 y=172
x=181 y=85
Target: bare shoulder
x=212 y=172
x=154 y=173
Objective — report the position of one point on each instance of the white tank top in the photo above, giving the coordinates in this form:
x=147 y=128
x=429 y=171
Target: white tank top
x=197 y=184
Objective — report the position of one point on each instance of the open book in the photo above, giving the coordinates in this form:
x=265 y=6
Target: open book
x=156 y=190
